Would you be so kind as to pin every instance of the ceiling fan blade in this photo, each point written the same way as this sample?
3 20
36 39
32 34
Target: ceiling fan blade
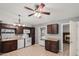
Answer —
42 5
31 14
47 13
28 8
37 6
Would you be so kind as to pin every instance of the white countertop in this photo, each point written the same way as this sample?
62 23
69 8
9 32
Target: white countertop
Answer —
8 39
13 39
52 39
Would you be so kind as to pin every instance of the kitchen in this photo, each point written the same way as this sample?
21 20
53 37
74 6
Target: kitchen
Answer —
39 31
15 37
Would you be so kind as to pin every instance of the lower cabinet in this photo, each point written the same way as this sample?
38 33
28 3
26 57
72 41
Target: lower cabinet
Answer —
52 46
7 46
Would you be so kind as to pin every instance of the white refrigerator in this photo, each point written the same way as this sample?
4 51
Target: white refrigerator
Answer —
20 43
27 42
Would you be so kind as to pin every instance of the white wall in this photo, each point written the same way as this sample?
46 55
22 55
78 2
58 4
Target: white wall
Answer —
78 39
66 28
36 34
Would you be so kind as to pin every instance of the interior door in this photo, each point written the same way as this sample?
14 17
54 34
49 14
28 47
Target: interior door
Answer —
73 38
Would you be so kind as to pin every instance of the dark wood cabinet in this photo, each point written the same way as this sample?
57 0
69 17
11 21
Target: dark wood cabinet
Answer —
0 37
7 46
52 29
52 46
32 34
0 45
19 30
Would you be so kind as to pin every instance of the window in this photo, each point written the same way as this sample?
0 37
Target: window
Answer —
43 33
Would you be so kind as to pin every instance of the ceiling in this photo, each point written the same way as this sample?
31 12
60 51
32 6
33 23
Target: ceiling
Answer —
9 12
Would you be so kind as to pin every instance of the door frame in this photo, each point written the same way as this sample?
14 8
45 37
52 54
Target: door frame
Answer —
62 35
73 38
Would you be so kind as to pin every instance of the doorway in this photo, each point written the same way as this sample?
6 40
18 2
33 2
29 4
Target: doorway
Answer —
66 39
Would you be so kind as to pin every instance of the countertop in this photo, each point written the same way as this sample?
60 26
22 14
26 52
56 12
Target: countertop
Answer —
12 39
8 39
52 39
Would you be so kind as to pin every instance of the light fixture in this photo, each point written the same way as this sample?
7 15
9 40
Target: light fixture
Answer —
24 25
19 22
14 24
38 15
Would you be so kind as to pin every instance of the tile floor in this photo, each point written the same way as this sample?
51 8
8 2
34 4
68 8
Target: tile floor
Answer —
34 50
66 49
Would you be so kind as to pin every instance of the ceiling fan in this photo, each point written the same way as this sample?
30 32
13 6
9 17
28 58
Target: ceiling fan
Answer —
39 9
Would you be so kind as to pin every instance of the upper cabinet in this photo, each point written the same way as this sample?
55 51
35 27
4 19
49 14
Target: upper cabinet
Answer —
52 29
19 30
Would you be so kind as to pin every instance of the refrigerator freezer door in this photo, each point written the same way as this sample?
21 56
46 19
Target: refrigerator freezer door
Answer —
20 43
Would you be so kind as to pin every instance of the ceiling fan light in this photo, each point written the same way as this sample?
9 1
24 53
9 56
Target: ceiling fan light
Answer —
40 9
38 15
14 24
35 14
19 24
23 25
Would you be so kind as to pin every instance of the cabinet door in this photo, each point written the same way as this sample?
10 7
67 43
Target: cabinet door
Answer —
19 30
47 45
13 45
0 40
32 34
49 29
55 46
55 28
8 46
52 46
52 29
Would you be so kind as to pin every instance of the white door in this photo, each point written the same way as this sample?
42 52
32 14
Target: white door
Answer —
73 38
